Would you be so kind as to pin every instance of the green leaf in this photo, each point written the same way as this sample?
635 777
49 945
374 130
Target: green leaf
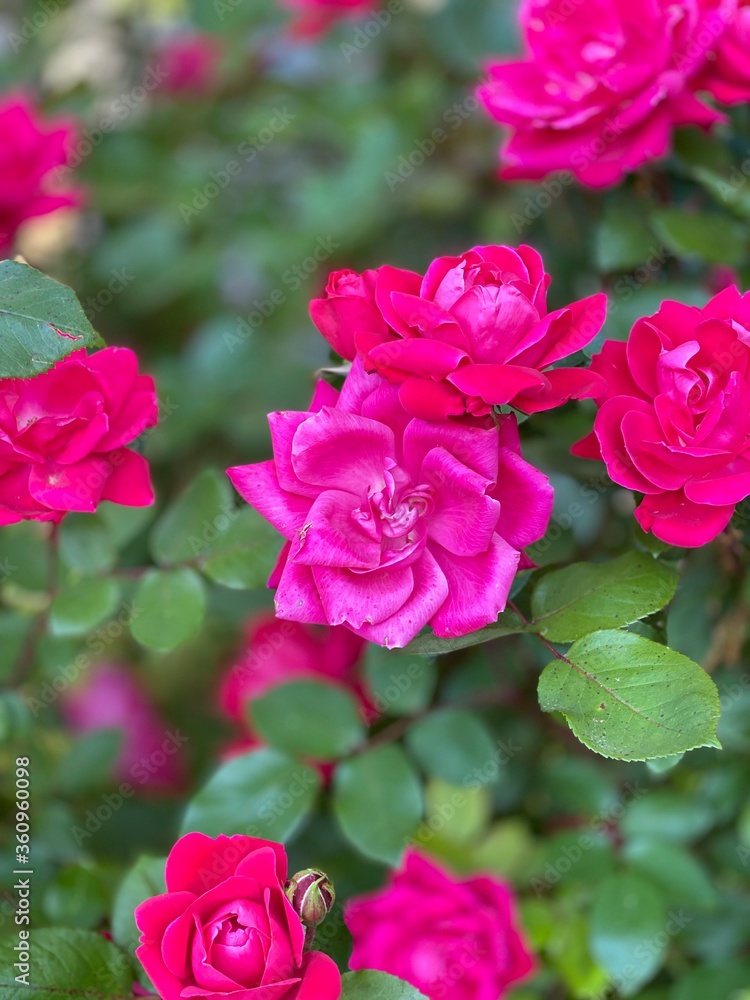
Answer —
628 931
243 556
194 520
86 544
80 607
666 815
308 719
429 644
263 793
627 697
170 606
569 603
33 308
682 879
454 744
717 982
377 800
623 240
143 880
91 761
66 964
77 897
369 985
399 682
710 236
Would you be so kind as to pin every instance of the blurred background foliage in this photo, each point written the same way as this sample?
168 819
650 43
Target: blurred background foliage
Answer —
211 220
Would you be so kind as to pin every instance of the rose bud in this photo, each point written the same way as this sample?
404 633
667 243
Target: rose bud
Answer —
312 896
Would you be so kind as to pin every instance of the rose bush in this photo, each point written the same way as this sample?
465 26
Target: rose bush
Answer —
225 928
603 86
461 938
30 151
471 334
392 522
674 423
65 435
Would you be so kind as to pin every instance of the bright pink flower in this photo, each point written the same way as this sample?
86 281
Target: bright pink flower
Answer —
392 522
63 437
604 83
448 938
675 424
315 17
224 927
727 75
277 652
30 150
111 698
189 63
471 334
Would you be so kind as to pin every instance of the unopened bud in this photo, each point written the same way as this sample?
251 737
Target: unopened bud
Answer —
312 895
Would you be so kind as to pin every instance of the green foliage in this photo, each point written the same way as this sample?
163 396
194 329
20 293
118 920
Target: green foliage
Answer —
451 744
33 308
170 606
143 880
376 986
627 697
80 607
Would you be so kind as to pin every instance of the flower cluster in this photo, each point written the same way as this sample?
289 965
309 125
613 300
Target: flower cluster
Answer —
604 84
404 498
65 435
30 151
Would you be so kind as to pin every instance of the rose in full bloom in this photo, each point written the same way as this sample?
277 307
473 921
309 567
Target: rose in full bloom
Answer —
447 937
315 17
675 424
30 151
471 334
189 63
393 522
63 437
278 652
110 697
225 928
604 83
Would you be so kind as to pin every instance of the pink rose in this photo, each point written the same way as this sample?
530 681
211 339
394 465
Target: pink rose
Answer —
111 698
604 83
392 522
448 938
315 17
727 75
675 424
472 334
64 435
224 927
189 63
277 652
30 150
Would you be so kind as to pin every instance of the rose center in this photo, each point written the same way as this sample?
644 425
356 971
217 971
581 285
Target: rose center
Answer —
398 511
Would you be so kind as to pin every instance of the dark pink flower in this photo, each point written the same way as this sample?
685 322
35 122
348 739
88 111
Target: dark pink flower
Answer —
111 698
315 17
189 63
604 83
473 333
392 522
63 437
276 652
675 424
224 927
449 938
30 151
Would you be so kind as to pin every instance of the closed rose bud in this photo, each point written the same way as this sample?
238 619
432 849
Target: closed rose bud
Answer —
312 896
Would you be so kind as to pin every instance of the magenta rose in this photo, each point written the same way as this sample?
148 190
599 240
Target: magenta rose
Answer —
110 697
392 522
603 84
64 435
473 333
30 151
727 75
225 929
675 424
189 63
450 938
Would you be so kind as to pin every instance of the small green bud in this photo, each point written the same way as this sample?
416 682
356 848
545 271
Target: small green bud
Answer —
312 895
